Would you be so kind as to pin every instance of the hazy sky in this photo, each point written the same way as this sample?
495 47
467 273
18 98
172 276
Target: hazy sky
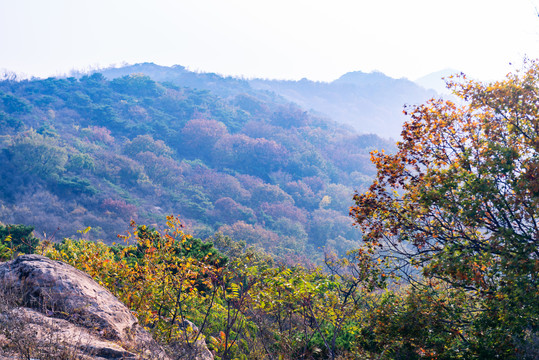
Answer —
291 39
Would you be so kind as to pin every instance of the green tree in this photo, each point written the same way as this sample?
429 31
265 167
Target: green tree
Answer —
459 202
137 84
38 155
18 239
13 104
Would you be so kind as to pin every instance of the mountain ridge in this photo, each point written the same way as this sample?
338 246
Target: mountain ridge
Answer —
368 102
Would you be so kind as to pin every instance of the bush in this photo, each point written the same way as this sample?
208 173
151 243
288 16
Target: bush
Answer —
17 239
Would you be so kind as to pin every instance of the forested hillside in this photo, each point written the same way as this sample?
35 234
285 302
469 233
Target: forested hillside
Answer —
366 102
97 152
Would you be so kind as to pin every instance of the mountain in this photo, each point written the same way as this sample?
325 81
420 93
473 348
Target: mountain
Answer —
99 152
370 103
436 82
179 75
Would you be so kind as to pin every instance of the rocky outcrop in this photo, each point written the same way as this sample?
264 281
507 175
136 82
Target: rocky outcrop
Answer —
43 336
51 307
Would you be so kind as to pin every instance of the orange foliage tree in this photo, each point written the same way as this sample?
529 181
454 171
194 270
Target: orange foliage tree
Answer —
458 204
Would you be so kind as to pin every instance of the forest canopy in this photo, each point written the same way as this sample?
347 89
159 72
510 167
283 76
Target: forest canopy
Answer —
98 152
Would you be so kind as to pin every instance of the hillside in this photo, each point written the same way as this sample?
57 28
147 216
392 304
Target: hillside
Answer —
370 103
436 81
446 269
97 152
180 76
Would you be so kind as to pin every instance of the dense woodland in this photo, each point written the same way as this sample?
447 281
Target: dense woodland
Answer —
93 152
443 264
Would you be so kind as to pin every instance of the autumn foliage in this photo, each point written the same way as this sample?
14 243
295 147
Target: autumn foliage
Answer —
455 210
243 304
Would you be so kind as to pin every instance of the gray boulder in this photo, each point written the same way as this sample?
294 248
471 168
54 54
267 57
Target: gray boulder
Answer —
58 312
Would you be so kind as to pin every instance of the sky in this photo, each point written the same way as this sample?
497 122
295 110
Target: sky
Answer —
277 39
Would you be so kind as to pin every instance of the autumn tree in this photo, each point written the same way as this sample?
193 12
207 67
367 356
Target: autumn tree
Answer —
146 143
200 135
457 203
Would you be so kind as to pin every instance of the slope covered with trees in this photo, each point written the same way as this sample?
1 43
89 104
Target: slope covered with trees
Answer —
97 152
370 103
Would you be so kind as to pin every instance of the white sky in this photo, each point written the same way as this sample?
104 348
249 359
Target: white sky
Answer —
285 39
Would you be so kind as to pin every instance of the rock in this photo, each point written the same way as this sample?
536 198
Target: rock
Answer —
54 303
188 325
193 348
58 337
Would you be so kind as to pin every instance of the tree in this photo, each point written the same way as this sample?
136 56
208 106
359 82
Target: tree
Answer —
18 238
146 143
251 234
200 135
138 85
13 104
228 211
163 277
38 155
459 201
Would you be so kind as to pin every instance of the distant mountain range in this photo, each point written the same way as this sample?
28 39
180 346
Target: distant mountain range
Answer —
437 80
367 102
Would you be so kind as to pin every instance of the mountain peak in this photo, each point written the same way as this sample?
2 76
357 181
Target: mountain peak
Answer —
359 77
435 80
